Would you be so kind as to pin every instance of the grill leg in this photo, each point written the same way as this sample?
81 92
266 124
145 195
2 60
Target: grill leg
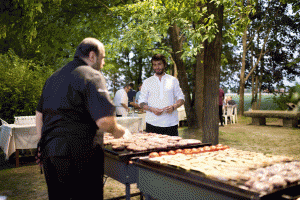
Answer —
104 179
127 191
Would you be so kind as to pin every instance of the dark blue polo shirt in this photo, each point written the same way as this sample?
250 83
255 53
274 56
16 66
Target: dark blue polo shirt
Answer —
73 98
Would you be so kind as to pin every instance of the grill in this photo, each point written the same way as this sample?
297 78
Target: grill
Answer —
166 182
117 164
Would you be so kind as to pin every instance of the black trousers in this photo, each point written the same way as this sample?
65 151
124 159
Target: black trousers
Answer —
221 114
75 178
172 130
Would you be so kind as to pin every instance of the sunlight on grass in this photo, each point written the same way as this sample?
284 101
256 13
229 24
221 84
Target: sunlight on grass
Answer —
265 139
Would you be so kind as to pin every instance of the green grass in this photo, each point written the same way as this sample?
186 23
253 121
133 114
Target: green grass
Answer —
22 183
26 182
269 139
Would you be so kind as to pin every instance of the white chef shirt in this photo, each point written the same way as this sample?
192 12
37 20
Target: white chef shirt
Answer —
121 97
160 94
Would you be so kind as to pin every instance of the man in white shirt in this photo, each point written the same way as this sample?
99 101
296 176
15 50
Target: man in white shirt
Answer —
121 101
160 96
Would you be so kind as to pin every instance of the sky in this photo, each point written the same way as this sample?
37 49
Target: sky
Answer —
287 83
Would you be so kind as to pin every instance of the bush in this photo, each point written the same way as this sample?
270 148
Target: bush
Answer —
292 97
21 83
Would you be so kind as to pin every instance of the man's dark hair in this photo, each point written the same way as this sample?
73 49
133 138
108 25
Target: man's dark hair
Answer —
128 85
131 85
161 57
85 47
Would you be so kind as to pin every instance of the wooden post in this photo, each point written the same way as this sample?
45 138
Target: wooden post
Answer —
17 157
290 122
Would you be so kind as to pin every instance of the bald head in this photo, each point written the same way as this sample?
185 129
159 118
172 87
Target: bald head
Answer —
87 45
92 52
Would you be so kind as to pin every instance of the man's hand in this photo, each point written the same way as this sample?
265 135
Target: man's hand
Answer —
157 111
38 157
169 109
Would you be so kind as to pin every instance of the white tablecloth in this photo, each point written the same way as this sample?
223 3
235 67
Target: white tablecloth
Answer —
143 116
14 137
134 124
181 113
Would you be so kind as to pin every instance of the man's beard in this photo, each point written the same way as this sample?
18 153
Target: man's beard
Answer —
159 72
96 66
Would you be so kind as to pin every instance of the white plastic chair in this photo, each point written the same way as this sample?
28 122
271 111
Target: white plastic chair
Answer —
235 113
228 114
3 122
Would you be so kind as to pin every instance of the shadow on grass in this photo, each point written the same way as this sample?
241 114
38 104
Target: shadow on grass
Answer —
11 162
190 133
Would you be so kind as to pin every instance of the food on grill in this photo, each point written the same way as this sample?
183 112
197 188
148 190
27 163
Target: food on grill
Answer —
254 171
206 149
153 155
162 153
179 151
148 141
171 152
275 176
195 150
189 151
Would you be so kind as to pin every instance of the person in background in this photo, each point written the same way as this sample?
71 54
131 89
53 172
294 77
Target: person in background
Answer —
74 105
221 100
229 101
135 104
121 101
160 97
138 93
131 95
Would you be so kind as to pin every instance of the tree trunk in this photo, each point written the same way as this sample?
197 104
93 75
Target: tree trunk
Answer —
212 63
199 87
259 102
256 92
242 75
176 43
253 91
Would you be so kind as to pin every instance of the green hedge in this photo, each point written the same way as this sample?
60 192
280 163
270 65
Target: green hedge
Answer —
293 96
21 83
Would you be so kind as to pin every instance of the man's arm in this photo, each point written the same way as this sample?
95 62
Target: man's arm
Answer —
125 106
39 125
39 122
178 95
144 106
109 124
177 104
156 111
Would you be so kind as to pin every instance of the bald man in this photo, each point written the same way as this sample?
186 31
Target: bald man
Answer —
74 105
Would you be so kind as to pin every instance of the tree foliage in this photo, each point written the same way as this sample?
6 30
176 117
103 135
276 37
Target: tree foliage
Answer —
292 96
20 86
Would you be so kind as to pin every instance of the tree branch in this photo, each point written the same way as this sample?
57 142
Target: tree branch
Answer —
261 25
260 56
262 49
105 5
159 48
